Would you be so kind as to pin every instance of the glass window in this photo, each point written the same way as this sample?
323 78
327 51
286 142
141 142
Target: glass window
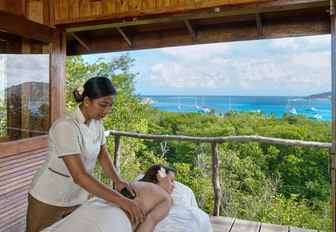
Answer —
24 96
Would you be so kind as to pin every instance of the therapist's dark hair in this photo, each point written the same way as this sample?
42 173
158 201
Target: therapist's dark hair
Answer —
94 88
150 175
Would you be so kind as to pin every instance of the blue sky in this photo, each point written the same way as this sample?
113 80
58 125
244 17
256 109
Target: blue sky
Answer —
276 67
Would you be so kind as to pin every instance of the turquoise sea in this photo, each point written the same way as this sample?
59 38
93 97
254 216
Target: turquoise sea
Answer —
317 109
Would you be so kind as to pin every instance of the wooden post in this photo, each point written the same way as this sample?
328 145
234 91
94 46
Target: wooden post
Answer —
117 144
215 179
333 98
57 75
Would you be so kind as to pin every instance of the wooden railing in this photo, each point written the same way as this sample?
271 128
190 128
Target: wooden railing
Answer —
214 141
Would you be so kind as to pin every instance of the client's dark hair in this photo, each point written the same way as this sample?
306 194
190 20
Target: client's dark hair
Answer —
94 88
150 175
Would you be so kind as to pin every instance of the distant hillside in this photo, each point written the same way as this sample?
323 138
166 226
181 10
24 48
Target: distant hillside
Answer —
325 95
38 91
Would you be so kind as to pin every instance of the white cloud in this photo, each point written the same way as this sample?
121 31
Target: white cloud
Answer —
312 59
318 40
197 52
297 66
288 43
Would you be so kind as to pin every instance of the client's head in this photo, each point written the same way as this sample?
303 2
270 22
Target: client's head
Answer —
162 175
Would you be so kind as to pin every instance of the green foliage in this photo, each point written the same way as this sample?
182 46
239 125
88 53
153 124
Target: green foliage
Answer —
297 212
278 184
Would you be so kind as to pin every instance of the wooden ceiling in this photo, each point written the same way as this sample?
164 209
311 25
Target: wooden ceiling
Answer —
235 22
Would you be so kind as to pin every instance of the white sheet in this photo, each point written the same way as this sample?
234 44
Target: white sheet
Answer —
184 219
98 215
184 215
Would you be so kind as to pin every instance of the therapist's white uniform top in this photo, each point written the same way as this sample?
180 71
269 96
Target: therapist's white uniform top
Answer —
68 135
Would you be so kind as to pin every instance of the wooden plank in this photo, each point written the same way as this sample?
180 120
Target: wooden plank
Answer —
266 227
23 145
23 154
73 9
221 224
109 6
121 6
15 224
150 4
9 182
295 229
24 160
6 164
96 8
13 200
19 182
3 5
36 163
84 7
35 11
20 174
134 5
162 4
246 226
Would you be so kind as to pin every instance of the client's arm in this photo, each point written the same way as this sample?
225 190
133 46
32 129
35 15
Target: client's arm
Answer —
155 202
155 215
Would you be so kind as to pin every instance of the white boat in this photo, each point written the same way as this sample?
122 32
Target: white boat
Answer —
179 104
205 110
310 107
289 109
196 106
292 111
316 116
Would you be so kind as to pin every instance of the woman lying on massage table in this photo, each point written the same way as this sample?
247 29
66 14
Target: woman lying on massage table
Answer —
98 215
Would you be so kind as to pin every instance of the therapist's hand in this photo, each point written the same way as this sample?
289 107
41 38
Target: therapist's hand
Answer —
134 211
122 184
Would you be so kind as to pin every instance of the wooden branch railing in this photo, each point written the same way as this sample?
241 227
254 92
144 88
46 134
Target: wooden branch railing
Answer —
214 141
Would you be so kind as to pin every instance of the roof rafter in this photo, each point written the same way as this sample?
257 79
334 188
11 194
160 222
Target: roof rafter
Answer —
128 38
259 26
84 41
192 31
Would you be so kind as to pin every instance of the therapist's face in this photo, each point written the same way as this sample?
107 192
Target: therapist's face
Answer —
100 107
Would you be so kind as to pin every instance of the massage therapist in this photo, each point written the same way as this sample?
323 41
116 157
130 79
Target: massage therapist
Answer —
76 140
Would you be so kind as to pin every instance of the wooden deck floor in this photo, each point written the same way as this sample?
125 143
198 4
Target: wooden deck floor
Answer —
226 224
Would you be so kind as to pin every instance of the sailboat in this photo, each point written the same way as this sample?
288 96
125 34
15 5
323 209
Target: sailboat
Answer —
196 106
179 104
289 109
204 108
310 107
316 116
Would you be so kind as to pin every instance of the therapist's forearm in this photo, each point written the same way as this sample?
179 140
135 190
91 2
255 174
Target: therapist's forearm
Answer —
109 169
107 165
98 189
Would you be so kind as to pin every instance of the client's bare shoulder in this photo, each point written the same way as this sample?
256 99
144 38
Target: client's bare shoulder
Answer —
149 195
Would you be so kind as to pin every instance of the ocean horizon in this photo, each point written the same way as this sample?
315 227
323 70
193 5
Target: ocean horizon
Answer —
317 109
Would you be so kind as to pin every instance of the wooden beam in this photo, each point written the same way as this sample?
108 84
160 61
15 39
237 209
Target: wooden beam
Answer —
84 41
259 26
17 25
127 38
291 26
199 12
192 32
